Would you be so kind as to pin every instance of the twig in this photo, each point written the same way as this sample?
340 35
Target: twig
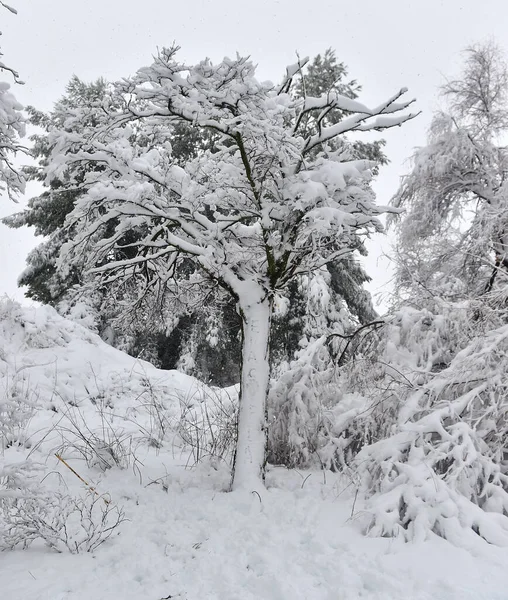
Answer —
349 337
303 482
257 494
80 478
354 503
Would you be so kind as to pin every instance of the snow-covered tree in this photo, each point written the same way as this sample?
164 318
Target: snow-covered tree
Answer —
268 204
438 463
453 240
206 341
12 128
46 213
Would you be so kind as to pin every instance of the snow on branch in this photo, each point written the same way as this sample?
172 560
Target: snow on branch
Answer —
291 71
246 210
3 66
441 471
362 119
12 128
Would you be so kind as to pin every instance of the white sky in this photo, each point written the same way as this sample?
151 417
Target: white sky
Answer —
386 45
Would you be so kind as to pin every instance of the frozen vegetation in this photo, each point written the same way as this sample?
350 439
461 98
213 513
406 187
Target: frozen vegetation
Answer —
205 403
127 429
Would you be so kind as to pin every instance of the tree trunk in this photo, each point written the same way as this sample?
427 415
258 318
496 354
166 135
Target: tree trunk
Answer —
249 463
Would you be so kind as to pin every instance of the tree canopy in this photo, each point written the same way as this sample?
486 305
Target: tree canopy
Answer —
453 240
204 340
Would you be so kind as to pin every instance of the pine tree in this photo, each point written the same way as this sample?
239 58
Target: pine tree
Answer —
46 213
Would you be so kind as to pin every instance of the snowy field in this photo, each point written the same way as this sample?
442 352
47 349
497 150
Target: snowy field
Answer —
122 425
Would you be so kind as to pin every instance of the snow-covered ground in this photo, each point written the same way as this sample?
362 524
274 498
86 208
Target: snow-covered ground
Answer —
183 536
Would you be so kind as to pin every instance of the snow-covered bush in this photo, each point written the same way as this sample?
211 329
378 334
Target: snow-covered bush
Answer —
297 419
208 424
314 406
416 413
29 511
443 469
101 447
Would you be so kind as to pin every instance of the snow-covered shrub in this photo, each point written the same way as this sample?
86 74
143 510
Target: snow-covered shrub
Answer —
208 424
17 405
297 419
313 407
444 468
347 391
102 447
29 511
390 365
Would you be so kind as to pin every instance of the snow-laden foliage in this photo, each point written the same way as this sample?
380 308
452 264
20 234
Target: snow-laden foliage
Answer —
31 511
187 340
297 420
453 240
316 413
438 465
269 203
12 128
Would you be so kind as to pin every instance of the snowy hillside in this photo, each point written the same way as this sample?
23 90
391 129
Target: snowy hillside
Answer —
58 359
113 443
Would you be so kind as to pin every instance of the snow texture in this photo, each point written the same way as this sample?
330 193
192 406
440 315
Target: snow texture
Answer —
185 538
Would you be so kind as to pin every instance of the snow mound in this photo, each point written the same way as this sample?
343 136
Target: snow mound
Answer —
58 358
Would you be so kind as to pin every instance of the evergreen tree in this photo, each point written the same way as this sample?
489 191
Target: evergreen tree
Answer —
47 213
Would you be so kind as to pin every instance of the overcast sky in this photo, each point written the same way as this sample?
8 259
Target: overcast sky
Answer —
386 45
